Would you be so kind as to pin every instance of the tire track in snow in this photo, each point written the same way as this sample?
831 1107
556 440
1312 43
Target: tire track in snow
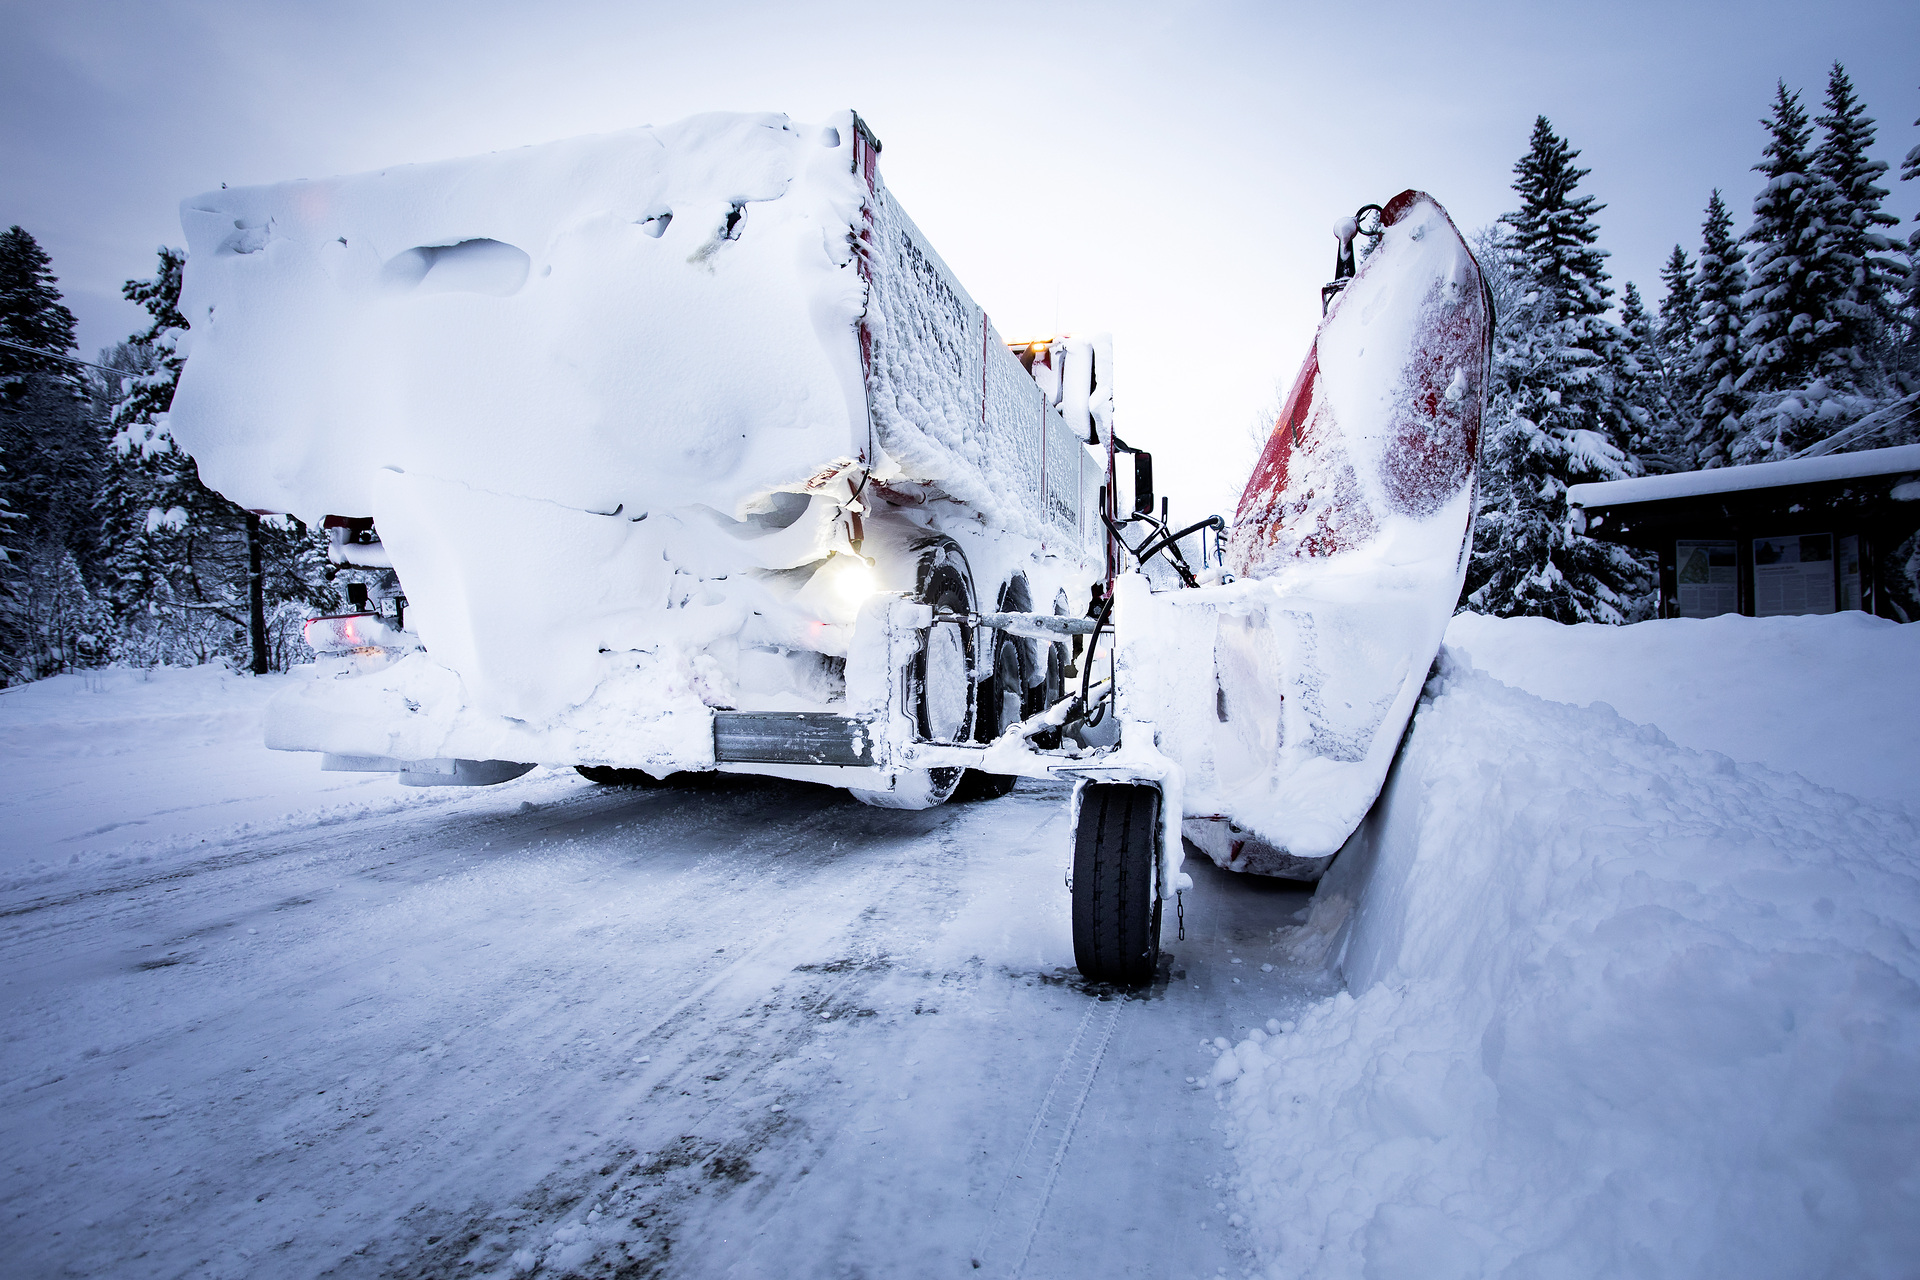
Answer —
628 1213
763 852
1017 1221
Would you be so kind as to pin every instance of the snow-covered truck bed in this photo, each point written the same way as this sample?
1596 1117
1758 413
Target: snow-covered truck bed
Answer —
659 450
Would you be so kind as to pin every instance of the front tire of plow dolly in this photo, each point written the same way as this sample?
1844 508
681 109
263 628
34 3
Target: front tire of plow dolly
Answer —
1116 897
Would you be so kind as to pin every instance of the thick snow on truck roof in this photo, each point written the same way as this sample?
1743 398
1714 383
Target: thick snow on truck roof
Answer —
661 316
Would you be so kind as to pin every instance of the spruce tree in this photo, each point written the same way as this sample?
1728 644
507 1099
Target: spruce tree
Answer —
51 458
1669 346
1556 412
1680 309
1716 363
1784 305
13 624
1909 172
1860 278
1639 384
31 315
180 567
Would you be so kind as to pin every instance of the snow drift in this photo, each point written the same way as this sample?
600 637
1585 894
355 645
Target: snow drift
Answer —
1615 1007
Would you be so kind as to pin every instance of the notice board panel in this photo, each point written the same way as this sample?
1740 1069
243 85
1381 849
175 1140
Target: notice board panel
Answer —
1793 574
1708 576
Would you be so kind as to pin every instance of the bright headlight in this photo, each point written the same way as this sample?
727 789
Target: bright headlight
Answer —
851 580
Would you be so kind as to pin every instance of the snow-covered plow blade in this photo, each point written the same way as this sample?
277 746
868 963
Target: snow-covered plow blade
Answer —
1264 713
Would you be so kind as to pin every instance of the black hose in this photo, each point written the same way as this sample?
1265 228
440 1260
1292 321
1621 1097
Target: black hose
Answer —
1093 641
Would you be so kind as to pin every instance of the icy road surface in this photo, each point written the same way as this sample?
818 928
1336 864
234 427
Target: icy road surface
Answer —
748 1030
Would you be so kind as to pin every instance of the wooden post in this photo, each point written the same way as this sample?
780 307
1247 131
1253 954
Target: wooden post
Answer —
256 596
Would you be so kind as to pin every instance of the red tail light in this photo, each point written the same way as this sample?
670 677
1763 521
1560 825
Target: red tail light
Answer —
344 632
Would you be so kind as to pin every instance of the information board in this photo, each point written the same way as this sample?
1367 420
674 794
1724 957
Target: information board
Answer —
1849 562
1709 577
1793 574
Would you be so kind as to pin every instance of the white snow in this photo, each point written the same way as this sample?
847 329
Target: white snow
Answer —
1616 1006
1829 698
1759 475
120 768
757 1029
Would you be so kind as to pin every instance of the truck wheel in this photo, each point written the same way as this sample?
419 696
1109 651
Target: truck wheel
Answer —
608 776
1000 707
943 669
941 677
1116 900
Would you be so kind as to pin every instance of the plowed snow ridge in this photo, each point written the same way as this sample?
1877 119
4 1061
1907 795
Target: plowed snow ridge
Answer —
1615 1007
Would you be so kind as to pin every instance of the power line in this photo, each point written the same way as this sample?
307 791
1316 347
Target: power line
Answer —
55 355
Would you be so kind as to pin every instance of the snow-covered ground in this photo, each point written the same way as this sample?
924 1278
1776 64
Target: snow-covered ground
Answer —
1618 1003
1616 1006
1832 699
755 1029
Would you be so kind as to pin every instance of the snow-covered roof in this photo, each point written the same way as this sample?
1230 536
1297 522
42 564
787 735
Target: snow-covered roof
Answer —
1759 475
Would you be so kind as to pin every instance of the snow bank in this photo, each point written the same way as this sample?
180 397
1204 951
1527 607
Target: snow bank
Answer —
1618 1008
1829 698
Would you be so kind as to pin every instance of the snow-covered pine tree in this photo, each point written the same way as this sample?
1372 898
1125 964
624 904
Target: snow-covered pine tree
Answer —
181 559
31 315
1677 326
13 625
1639 384
1556 416
1785 300
1680 308
1718 357
1821 298
1909 172
1854 251
52 455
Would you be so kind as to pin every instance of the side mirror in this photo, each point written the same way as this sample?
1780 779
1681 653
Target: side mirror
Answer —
1142 483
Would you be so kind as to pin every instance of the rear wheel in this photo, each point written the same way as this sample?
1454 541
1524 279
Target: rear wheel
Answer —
1001 706
608 776
940 678
1116 897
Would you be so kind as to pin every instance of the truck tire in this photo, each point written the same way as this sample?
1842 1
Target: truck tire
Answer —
1001 704
1116 897
942 670
940 675
608 776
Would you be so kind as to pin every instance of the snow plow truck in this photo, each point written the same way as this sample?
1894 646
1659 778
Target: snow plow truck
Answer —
680 449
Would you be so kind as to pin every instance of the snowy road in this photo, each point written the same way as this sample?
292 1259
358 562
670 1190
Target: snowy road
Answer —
752 1030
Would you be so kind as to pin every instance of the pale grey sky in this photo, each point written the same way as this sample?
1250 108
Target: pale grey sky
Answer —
1168 172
